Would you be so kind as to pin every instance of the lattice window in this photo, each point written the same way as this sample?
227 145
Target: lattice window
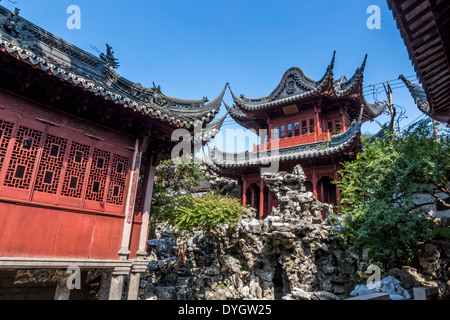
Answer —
118 180
5 136
76 170
51 164
23 158
98 175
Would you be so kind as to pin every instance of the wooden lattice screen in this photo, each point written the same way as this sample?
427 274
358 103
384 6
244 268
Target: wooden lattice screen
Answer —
49 166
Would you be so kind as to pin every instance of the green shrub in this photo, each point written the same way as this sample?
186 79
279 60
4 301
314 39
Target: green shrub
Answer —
378 190
205 212
173 179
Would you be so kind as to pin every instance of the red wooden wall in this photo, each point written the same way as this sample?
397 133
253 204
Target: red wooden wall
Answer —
305 127
63 184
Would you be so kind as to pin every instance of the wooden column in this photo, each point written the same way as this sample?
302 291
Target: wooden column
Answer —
322 193
261 198
343 113
140 265
337 167
244 191
253 196
150 178
314 182
269 132
240 187
129 207
317 129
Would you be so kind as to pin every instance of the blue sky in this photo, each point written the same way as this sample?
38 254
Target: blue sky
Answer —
192 48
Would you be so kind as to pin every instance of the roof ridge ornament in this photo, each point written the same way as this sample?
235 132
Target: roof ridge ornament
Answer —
418 94
157 95
109 58
10 23
333 60
363 66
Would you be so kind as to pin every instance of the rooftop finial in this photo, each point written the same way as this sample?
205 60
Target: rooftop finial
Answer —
333 59
109 57
10 23
363 66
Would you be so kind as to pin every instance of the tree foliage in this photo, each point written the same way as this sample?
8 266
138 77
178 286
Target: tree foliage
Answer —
379 192
173 179
176 203
205 212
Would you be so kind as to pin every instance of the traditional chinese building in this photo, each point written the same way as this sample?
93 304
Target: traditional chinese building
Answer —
78 150
425 27
313 123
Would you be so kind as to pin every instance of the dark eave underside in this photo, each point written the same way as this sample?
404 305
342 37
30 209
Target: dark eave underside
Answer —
425 29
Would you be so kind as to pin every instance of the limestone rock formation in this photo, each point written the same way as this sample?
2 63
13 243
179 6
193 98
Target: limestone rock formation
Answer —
222 185
389 285
292 254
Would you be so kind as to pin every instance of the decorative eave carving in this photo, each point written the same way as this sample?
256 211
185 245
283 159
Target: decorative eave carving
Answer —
419 96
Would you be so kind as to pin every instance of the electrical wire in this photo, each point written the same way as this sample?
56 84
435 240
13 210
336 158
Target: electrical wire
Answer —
413 122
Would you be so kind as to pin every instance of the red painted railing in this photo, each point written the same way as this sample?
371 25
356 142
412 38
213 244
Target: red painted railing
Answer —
292 141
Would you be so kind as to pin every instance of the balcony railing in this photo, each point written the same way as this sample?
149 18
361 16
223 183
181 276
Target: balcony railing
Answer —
292 141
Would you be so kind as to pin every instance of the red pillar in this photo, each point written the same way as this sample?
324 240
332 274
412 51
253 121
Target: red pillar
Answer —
318 129
336 178
244 191
253 196
314 182
269 203
261 198
322 193
343 113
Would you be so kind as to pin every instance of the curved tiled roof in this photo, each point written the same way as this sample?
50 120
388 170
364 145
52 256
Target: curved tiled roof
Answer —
41 49
219 160
210 131
242 119
296 86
